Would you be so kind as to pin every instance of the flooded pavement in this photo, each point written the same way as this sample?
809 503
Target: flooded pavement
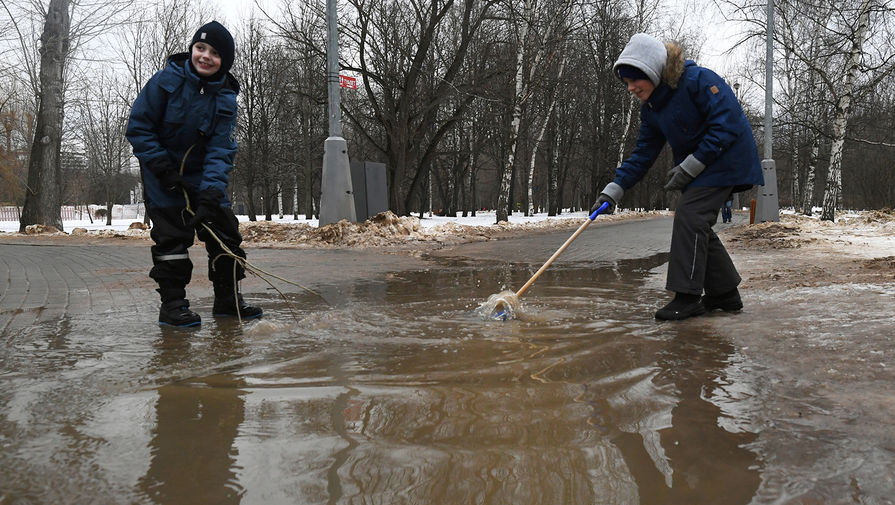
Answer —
389 389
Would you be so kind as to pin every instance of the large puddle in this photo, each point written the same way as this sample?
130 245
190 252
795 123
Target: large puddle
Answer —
395 392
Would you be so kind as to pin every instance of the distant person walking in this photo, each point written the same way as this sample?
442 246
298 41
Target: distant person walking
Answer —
697 114
181 127
727 211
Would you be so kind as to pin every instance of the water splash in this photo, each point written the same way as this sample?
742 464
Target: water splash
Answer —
501 306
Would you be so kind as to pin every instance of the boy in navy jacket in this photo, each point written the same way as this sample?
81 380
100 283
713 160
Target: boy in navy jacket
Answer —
181 129
693 110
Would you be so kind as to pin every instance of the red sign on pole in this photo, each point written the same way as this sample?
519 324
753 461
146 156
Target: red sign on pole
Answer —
347 82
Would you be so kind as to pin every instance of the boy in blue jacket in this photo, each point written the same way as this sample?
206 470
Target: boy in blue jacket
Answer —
181 128
697 114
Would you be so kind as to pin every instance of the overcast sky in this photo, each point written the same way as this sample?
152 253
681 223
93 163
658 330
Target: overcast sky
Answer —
699 15
233 10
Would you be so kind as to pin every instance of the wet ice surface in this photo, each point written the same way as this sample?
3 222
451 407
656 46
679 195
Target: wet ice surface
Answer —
399 393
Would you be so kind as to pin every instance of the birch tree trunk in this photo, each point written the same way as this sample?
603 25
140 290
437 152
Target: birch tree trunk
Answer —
551 177
43 195
473 158
843 108
506 177
309 202
279 201
808 191
796 186
523 84
629 116
534 153
295 190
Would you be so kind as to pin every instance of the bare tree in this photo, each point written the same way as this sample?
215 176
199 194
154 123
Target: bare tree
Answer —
843 106
156 32
540 32
846 52
45 69
301 28
262 159
43 199
104 114
406 87
16 125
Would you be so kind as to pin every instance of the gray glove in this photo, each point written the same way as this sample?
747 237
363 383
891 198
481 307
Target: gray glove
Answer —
603 198
682 175
612 193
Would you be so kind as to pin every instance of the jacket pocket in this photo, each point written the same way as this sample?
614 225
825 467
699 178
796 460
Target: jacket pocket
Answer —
173 120
225 114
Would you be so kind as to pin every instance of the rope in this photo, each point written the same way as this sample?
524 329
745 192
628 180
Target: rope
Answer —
239 260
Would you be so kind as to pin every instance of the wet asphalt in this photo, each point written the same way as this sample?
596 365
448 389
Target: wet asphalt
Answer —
387 391
44 279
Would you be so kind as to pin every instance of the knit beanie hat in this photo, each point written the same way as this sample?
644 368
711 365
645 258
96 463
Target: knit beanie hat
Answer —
215 35
645 53
623 71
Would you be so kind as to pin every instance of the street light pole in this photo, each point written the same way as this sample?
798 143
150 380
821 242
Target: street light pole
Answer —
332 69
736 92
767 208
336 192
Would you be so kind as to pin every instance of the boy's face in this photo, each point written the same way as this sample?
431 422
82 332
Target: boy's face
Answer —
641 88
206 59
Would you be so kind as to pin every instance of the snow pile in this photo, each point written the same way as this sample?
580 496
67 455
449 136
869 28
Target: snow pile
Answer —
41 229
774 235
868 233
136 229
855 249
383 229
874 231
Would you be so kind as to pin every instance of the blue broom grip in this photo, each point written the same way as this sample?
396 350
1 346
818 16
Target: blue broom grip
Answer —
598 211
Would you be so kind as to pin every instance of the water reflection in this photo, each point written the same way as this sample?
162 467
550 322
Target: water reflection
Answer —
394 393
686 456
397 394
577 407
192 453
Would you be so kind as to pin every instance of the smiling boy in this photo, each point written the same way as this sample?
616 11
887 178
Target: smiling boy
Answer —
181 129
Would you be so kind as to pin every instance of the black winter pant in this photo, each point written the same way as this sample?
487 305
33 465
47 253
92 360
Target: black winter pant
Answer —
699 262
172 268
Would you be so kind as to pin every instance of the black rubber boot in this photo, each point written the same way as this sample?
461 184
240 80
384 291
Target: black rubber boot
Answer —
175 310
178 313
729 301
682 307
228 305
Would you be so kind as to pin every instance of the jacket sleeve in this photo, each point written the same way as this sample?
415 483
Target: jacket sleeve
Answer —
145 120
722 112
221 148
650 141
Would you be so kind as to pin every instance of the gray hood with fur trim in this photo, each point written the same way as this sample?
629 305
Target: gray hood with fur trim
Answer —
646 53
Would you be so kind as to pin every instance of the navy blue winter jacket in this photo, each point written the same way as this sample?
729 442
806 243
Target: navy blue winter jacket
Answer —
701 117
176 110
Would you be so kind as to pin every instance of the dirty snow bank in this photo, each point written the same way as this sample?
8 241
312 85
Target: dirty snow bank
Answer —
857 248
383 230
388 230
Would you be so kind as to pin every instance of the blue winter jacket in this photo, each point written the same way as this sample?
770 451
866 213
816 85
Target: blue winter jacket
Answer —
701 117
176 110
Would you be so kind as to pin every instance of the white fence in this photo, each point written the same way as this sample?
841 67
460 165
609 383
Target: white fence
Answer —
133 211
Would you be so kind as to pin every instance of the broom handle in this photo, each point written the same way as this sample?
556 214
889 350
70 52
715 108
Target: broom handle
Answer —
561 249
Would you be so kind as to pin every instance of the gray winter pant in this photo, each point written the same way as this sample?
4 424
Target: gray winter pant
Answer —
699 262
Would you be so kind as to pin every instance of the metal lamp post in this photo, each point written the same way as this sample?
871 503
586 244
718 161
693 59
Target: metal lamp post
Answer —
767 208
336 193
736 92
